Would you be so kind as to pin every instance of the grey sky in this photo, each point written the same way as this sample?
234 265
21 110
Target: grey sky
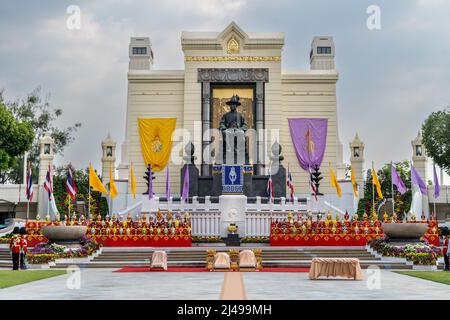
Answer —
390 79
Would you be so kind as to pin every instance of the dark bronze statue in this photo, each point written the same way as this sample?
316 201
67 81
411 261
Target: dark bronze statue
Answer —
233 127
233 119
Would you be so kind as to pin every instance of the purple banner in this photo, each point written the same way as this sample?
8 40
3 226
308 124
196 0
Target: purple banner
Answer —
309 137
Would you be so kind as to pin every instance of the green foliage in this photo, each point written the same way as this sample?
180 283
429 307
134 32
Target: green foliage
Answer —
81 178
40 117
436 138
402 202
16 137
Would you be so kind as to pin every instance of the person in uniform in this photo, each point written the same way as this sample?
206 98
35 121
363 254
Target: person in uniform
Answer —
23 248
445 252
14 247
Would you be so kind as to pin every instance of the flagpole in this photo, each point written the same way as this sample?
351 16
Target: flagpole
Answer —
373 190
392 191
89 194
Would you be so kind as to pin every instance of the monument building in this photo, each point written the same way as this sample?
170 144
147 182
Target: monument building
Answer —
218 66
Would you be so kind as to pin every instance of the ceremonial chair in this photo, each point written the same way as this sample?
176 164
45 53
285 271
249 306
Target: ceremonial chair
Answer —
159 260
250 260
218 261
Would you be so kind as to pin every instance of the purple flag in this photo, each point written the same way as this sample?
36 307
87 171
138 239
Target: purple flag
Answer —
150 182
309 137
437 187
417 180
397 180
167 184
185 193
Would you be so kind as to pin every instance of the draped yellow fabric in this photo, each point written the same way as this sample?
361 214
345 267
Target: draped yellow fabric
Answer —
94 181
376 182
334 183
156 140
133 181
354 184
112 185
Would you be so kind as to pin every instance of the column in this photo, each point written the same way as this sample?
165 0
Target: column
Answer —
206 101
259 126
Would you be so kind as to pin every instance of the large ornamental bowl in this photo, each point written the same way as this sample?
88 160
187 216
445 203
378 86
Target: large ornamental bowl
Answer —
404 230
63 233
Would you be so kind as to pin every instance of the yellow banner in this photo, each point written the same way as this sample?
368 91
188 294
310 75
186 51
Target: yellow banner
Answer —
156 140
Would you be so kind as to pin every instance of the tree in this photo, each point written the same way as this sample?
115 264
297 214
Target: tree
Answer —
16 137
436 138
98 203
402 202
38 112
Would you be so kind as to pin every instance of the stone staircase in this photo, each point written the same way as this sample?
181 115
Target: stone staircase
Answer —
299 257
5 258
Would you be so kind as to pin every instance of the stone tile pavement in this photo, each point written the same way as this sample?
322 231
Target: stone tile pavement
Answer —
105 284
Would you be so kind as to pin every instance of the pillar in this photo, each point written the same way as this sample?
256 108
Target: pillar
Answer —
357 163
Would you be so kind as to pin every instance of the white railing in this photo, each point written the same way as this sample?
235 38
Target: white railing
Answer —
205 223
257 224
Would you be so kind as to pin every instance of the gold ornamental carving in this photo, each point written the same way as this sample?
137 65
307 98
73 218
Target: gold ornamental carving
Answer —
232 58
233 46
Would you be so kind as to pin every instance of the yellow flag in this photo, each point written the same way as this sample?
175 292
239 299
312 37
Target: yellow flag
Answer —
133 181
112 185
156 140
334 183
376 182
355 185
94 181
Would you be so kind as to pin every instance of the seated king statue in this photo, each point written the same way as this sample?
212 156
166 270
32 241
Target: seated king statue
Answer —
233 127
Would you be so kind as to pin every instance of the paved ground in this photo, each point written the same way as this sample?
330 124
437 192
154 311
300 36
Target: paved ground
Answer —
105 284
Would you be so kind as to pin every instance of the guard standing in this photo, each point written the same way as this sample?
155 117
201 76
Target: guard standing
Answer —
14 247
23 248
445 252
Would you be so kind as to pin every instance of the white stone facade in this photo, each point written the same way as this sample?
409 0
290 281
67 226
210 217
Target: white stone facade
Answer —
178 94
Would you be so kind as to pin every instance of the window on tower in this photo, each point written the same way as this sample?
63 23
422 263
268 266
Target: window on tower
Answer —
139 50
323 50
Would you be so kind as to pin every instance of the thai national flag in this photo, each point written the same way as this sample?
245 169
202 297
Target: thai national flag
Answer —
71 187
48 184
290 184
30 191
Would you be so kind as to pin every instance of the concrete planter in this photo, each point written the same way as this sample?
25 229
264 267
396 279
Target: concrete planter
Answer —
73 260
420 267
63 233
405 231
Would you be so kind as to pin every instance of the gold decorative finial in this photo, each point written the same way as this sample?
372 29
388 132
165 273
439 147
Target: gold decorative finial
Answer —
232 46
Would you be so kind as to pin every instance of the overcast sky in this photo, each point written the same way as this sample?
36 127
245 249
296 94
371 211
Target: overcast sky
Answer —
390 79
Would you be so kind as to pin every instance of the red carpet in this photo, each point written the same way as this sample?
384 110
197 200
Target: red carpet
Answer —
193 269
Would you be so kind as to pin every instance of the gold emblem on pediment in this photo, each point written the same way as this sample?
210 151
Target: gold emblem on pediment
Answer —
232 46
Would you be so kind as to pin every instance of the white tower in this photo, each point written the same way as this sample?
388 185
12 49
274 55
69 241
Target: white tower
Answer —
322 53
141 54
419 156
46 157
419 203
357 162
108 158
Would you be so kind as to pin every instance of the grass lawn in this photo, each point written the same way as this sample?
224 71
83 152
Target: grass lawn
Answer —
9 278
436 276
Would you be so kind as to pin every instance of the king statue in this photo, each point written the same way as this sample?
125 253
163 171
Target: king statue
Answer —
233 127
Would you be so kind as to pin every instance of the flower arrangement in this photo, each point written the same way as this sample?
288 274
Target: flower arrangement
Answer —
418 253
206 239
259 239
43 252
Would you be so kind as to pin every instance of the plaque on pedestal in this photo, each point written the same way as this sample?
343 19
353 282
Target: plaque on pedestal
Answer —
232 179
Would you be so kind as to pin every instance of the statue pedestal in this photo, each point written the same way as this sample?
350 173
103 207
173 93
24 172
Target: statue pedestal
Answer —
316 206
232 210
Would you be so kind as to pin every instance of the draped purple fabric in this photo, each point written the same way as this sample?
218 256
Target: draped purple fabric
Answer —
309 137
